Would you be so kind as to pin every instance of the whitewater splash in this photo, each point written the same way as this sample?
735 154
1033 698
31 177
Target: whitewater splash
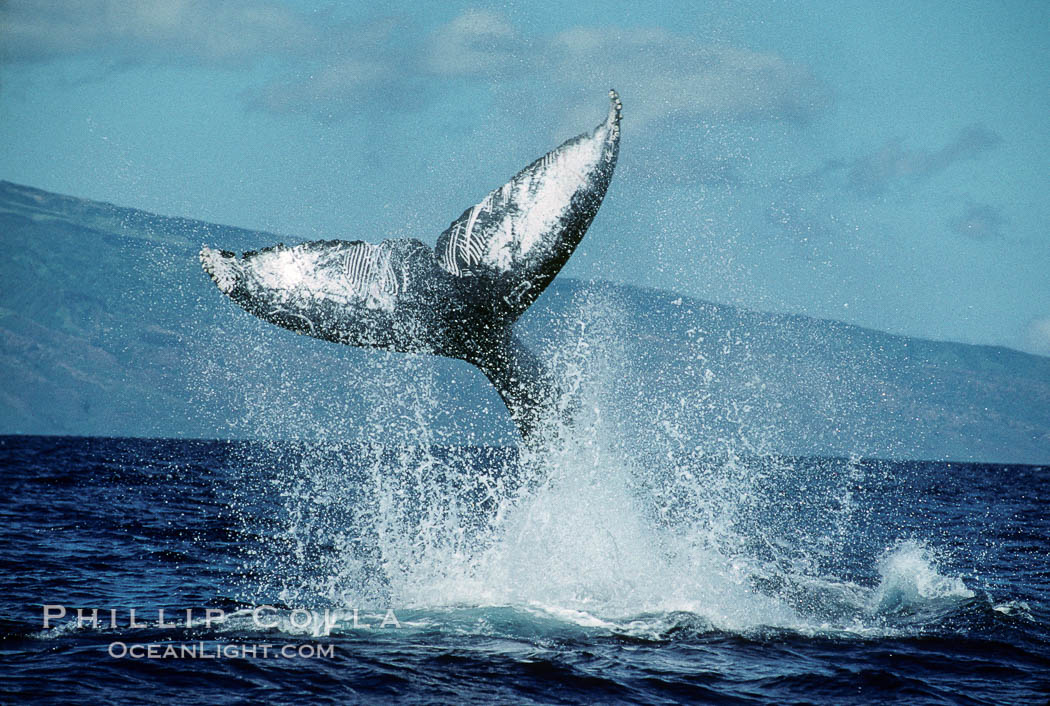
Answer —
605 526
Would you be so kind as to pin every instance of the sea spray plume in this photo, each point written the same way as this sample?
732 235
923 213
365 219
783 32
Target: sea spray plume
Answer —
459 299
582 532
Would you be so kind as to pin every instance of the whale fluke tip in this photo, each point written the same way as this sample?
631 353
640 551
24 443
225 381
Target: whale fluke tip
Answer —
615 107
221 266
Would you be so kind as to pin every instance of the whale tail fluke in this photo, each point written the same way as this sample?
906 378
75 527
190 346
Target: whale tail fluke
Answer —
459 299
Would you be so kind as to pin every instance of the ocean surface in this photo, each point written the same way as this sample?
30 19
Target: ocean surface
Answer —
306 572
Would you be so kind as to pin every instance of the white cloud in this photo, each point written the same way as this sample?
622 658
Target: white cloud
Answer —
478 42
333 87
669 74
663 73
205 31
1037 336
327 67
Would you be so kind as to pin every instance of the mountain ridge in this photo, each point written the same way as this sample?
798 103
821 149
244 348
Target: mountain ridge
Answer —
200 226
121 335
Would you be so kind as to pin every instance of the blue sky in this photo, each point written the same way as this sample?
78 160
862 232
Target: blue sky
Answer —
884 164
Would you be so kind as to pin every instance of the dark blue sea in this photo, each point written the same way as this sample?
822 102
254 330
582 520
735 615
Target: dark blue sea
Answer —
298 572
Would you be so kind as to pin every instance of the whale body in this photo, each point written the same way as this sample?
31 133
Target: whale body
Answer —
459 299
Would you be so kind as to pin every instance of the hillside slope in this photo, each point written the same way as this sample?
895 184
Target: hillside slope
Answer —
108 327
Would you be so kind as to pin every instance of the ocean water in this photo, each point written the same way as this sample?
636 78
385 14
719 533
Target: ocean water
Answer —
393 572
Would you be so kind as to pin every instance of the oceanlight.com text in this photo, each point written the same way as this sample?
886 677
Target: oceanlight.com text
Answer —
212 650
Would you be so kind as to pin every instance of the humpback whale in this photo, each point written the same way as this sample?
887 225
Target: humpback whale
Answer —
459 299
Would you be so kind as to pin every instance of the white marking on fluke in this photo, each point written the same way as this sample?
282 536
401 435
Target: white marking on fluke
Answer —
223 269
